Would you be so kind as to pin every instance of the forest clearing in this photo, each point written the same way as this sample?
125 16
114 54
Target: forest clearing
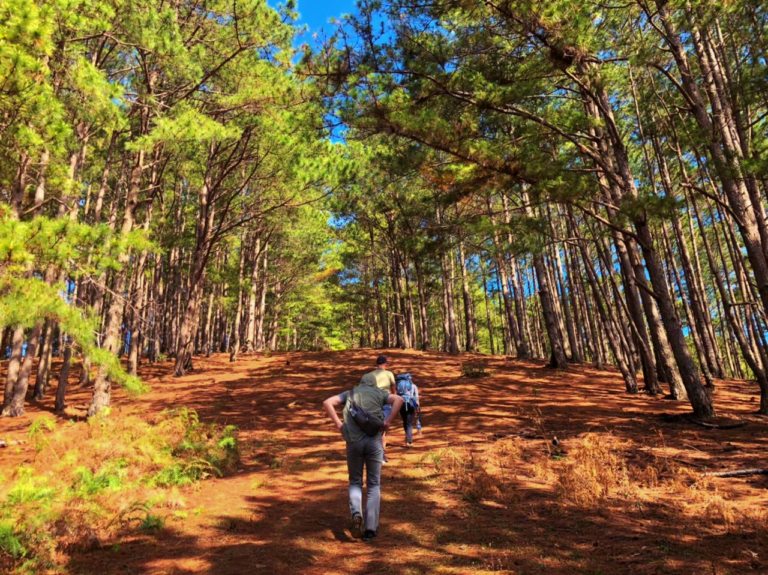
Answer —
214 214
623 492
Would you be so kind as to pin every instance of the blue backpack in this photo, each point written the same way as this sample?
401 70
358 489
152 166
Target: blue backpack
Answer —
406 391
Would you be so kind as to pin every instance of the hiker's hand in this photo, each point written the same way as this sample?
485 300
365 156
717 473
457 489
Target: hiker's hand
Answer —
339 426
385 427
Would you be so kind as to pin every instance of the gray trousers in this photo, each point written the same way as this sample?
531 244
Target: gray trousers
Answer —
367 452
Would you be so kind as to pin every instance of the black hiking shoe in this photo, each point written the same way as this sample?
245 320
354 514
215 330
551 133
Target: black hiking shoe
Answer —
369 536
357 525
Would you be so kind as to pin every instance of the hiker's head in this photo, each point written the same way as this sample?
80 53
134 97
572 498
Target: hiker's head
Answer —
381 362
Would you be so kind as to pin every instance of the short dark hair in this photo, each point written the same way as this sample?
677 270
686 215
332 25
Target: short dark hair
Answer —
382 359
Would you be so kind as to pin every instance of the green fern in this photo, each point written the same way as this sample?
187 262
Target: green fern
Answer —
37 431
10 543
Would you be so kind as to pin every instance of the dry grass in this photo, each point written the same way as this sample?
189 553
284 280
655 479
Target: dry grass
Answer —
480 475
594 470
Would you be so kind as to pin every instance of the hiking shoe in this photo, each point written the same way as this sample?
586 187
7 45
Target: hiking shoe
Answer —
409 445
369 536
357 525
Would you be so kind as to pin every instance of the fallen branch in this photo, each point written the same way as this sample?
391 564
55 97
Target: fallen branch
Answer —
499 436
737 473
720 426
4 443
690 463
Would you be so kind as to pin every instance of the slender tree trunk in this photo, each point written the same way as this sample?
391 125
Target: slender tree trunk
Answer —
259 346
558 359
487 306
102 389
137 307
44 366
423 307
511 333
693 326
612 334
61 390
452 333
14 366
394 280
22 382
276 309
567 308
469 313
409 304
250 332
515 286
235 348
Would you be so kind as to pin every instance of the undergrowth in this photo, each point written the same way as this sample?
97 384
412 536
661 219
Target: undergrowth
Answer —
91 481
475 370
593 472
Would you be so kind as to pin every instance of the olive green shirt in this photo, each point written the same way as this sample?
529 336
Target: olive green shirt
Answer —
371 399
381 378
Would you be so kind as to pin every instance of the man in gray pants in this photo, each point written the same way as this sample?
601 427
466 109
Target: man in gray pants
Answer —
364 451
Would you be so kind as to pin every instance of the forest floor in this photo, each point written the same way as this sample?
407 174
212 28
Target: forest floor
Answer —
621 493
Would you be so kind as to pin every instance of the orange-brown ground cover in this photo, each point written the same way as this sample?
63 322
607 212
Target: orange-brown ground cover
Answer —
621 493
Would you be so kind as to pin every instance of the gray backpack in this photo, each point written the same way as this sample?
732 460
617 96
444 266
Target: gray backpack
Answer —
371 424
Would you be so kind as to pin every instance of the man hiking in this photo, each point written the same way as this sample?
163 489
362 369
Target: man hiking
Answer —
409 393
385 380
363 423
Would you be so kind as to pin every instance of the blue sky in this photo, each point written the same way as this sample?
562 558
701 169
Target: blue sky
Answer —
316 13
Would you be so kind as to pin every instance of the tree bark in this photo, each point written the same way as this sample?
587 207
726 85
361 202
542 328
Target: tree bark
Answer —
469 312
250 332
102 387
423 307
259 345
235 347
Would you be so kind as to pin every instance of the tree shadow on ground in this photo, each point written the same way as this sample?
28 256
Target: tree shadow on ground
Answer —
284 510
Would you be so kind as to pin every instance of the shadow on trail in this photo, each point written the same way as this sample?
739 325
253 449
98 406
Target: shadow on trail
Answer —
305 532
285 509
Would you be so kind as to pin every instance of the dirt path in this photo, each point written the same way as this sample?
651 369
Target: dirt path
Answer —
284 511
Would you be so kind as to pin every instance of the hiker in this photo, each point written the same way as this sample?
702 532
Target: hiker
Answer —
385 380
363 423
410 409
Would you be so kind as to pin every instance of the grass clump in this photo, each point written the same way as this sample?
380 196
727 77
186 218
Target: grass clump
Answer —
272 450
474 478
475 370
79 489
594 470
152 523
